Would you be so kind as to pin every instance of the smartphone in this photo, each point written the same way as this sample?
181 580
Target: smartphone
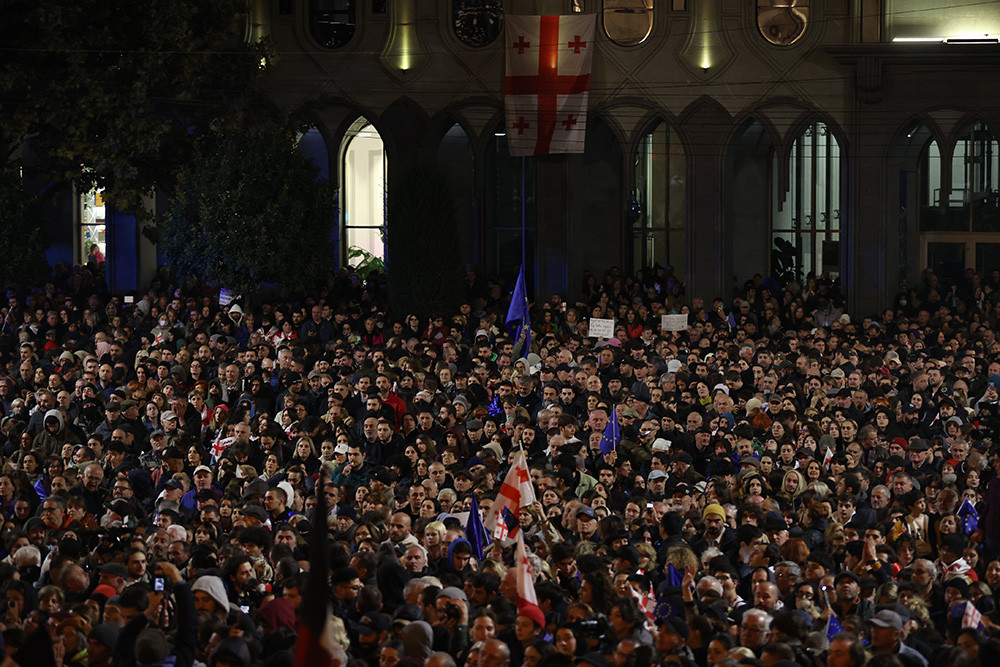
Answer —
158 584
129 298
245 608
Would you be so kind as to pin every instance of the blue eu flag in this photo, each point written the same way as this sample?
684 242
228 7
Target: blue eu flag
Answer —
475 530
970 517
518 313
612 434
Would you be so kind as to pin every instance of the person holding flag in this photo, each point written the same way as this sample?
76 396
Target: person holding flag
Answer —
518 318
515 492
612 435
477 535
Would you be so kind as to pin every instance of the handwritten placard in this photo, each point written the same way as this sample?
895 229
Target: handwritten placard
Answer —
602 328
674 322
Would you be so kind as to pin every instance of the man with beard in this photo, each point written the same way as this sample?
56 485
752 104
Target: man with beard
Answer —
717 534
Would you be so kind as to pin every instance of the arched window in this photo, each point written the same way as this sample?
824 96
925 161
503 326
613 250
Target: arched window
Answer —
658 214
510 206
332 22
805 220
362 202
959 214
628 22
477 22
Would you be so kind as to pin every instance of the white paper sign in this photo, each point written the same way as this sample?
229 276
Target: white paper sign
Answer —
225 297
674 322
602 328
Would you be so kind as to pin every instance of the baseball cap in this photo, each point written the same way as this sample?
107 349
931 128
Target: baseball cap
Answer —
202 469
888 619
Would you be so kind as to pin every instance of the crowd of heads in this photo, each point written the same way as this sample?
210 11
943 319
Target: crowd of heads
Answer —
776 481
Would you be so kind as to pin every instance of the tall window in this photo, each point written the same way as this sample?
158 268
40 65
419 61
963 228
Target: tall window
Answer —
477 22
93 226
805 221
510 195
332 22
960 219
363 198
970 204
658 214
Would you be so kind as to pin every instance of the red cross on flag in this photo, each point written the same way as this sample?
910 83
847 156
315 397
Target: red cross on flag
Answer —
515 492
548 77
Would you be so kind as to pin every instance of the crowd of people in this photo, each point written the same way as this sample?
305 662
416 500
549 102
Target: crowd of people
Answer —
781 482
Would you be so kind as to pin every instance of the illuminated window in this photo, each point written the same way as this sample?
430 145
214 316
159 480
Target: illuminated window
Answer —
332 22
805 221
363 199
93 227
658 214
960 220
970 204
477 22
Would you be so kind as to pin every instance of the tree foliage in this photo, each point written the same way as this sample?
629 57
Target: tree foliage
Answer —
424 264
22 237
113 93
250 210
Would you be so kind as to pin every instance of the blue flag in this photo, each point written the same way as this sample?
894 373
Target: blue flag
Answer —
612 434
675 575
518 312
730 320
970 517
475 531
494 407
833 628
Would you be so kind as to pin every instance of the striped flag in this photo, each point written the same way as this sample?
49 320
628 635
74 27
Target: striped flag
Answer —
515 492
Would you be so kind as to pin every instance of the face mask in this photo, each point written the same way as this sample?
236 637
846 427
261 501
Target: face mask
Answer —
163 323
902 302
949 479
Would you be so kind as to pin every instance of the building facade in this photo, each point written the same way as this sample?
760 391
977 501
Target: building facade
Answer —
851 138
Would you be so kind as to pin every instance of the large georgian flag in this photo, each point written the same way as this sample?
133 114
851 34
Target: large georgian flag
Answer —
548 76
515 492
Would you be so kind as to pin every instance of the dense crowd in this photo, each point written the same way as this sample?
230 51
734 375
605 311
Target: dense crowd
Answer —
781 482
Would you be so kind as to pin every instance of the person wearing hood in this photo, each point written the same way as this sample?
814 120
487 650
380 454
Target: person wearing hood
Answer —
54 434
457 560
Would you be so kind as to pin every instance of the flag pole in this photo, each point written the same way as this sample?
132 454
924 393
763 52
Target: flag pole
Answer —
524 210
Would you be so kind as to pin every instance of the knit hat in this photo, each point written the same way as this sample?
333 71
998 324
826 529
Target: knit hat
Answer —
713 508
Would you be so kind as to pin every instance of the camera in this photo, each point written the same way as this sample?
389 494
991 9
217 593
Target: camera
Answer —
593 628
452 611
